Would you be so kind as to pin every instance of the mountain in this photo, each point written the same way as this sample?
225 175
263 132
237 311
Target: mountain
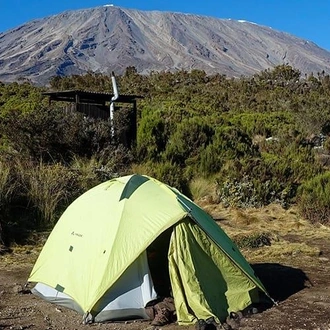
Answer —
109 38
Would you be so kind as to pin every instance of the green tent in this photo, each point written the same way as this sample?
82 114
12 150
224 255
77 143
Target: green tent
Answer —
95 260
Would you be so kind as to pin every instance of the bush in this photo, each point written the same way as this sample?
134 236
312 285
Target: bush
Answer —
232 142
42 133
314 199
112 162
252 183
20 96
266 124
55 135
191 126
210 162
94 137
151 137
238 193
190 138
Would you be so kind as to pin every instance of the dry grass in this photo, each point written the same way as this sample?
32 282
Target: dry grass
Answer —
289 235
20 256
202 190
282 251
46 187
7 185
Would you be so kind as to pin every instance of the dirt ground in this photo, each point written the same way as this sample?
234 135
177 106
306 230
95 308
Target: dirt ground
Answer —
298 278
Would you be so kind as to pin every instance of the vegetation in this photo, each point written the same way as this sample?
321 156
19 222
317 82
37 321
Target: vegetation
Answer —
255 140
314 199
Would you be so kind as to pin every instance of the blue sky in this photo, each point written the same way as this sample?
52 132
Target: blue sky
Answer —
306 19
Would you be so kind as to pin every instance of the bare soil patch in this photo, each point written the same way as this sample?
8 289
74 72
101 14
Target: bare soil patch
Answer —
295 268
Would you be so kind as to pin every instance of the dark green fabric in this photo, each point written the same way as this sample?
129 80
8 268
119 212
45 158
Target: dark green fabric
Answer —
134 183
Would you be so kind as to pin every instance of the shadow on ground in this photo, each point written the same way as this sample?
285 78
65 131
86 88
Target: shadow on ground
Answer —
281 281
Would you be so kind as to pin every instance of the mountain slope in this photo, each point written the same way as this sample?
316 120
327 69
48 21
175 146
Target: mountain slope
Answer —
109 38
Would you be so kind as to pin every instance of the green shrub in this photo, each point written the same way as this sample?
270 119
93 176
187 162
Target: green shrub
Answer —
314 199
86 170
231 142
151 137
189 139
238 193
55 135
266 124
45 134
254 182
210 162
21 96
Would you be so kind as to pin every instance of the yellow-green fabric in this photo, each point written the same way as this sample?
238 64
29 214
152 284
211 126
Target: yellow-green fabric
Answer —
205 282
100 234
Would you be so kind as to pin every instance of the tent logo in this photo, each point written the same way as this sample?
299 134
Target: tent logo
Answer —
76 234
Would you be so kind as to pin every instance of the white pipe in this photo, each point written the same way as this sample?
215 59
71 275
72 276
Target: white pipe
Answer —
112 104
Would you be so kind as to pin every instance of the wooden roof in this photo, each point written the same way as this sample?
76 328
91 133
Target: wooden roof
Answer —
88 97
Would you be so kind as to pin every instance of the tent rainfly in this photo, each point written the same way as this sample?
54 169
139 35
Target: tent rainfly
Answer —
95 260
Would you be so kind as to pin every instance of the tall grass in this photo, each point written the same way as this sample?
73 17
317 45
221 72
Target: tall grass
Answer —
47 188
203 189
7 184
7 189
87 172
